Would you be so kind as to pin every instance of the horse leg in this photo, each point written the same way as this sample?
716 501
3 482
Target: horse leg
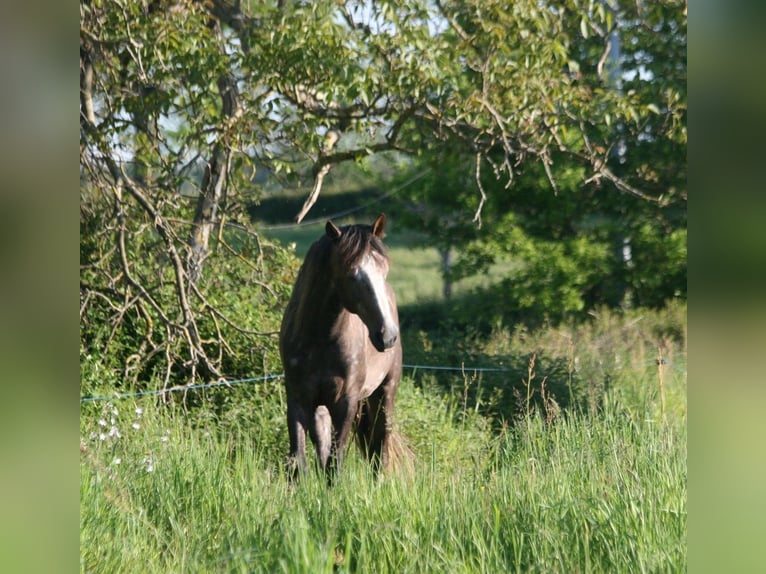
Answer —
374 427
297 420
321 435
343 414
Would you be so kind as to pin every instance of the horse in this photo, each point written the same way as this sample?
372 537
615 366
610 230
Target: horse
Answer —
341 351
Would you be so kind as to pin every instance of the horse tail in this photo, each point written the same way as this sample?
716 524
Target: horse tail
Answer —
399 456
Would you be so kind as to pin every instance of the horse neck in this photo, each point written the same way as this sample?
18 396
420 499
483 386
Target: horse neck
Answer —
319 309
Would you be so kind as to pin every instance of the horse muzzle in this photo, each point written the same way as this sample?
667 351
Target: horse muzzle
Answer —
385 337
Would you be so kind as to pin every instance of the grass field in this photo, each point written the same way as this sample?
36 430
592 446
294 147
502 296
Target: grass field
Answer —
581 490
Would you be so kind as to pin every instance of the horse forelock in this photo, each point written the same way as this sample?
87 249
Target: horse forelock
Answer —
356 242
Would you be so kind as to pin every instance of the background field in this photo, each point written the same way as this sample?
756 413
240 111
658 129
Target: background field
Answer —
414 275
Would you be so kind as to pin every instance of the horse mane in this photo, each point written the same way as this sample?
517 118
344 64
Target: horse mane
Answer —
353 244
356 241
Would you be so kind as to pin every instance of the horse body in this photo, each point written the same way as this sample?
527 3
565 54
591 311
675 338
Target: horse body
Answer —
340 348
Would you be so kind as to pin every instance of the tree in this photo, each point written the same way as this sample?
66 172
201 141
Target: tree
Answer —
181 99
575 243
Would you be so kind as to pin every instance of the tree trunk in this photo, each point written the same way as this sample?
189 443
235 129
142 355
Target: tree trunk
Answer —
213 183
446 263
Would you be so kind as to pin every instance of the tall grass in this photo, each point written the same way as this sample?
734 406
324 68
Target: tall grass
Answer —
165 491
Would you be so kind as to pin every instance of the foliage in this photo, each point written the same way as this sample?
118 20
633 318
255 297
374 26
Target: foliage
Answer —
557 368
571 242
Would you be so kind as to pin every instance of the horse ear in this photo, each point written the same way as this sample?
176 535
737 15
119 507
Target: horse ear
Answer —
333 232
379 226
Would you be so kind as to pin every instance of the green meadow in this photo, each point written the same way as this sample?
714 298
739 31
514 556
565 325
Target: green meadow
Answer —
593 488
605 493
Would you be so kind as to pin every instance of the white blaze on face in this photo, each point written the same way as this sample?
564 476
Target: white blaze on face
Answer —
376 282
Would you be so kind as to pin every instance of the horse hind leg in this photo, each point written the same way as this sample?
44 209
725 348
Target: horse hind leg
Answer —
373 430
384 447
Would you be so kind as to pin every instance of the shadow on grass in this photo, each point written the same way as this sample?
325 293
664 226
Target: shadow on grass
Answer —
550 367
516 380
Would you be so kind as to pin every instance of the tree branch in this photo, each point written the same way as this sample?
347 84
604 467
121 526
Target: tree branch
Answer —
326 161
477 215
189 326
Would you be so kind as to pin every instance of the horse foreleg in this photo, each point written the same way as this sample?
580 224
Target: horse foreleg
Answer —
297 420
321 435
343 414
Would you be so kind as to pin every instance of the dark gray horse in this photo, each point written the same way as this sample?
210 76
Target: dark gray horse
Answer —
340 348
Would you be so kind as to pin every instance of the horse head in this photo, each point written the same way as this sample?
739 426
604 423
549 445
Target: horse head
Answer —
360 267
